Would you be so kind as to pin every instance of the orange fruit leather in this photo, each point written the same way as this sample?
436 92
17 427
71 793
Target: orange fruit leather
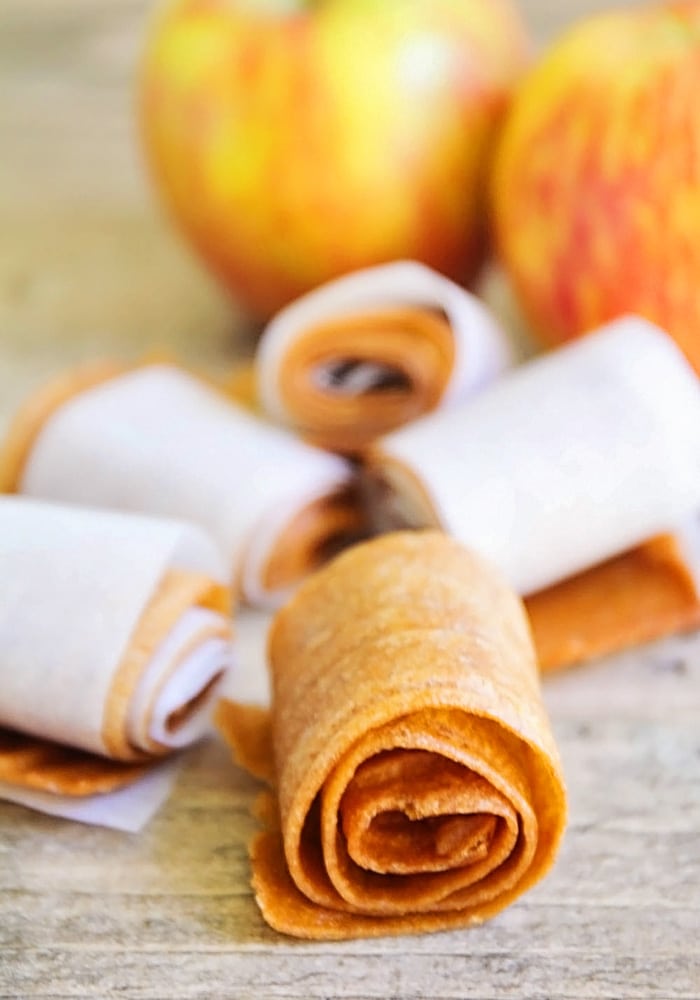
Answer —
414 345
641 595
415 780
317 531
29 762
240 385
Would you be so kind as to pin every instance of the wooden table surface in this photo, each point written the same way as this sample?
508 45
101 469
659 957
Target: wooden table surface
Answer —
87 267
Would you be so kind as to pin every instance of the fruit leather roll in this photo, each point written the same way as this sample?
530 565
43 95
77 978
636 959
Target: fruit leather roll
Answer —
158 440
114 631
554 472
370 351
416 782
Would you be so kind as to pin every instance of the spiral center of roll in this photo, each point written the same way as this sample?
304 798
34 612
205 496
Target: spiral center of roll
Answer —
358 377
410 811
319 531
179 716
434 843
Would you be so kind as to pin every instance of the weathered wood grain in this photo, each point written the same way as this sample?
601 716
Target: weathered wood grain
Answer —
90 912
87 267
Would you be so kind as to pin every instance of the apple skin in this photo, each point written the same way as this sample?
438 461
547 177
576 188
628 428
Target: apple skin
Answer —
596 182
294 142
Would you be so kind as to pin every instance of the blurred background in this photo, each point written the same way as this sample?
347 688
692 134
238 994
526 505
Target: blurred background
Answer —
88 261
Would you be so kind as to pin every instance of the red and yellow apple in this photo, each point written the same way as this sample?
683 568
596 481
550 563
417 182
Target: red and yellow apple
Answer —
596 183
295 141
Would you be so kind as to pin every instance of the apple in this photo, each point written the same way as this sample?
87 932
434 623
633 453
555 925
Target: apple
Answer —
596 182
296 141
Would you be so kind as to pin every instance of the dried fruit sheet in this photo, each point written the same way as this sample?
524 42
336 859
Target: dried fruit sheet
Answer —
114 631
372 350
416 783
158 440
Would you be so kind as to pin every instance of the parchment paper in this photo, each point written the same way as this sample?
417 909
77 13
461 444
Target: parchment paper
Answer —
570 459
156 440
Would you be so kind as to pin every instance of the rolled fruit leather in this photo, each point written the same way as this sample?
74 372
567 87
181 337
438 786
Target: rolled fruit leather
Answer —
415 783
157 440
115 631
370 351
564 474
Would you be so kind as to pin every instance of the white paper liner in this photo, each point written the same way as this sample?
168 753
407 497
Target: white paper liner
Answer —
127 809
249 683
74 585
482 348
571 459
158 441
204 660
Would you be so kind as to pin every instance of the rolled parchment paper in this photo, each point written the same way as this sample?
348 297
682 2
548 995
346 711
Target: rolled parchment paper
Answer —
370 351
563 475
571 459
416 784
159 441
114 633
